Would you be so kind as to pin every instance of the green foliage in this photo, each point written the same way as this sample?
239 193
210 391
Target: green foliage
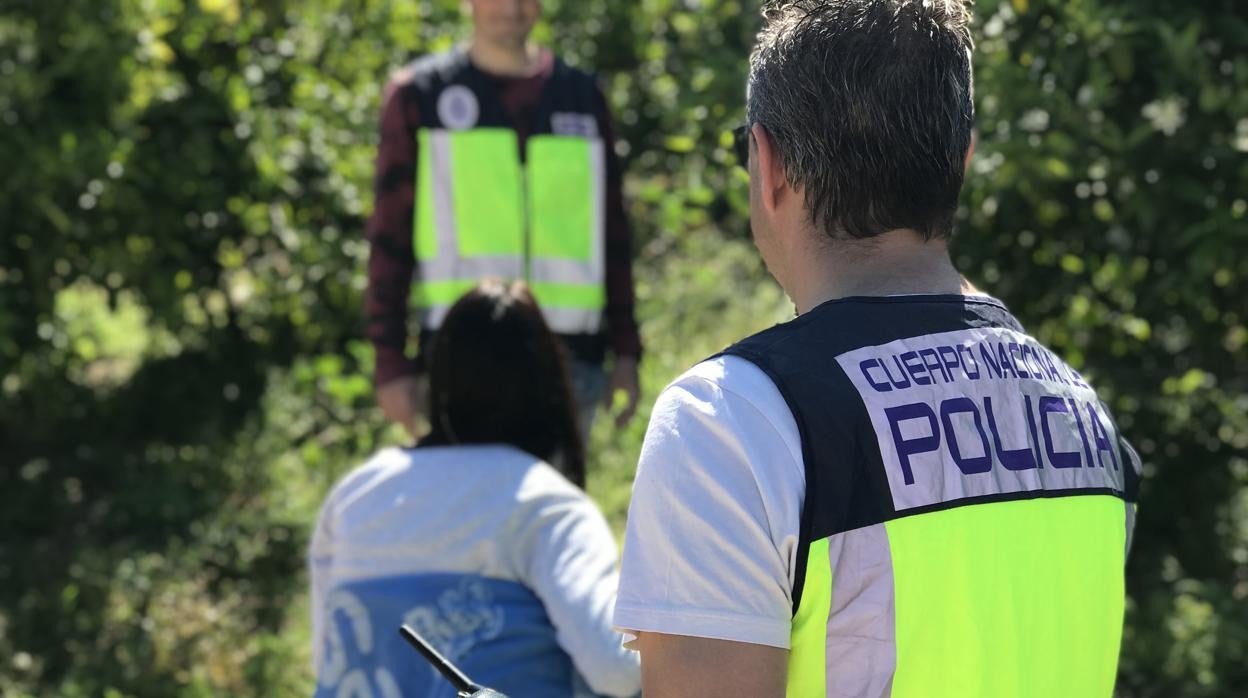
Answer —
181 369
1107 205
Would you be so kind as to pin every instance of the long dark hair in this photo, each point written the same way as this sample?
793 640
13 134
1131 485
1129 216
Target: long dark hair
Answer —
498 375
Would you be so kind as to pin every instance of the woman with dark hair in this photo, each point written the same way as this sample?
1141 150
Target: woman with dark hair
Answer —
480 537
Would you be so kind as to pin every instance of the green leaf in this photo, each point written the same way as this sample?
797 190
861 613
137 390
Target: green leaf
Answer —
679 144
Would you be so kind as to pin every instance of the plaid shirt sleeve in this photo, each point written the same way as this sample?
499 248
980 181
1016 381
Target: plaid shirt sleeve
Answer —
391 264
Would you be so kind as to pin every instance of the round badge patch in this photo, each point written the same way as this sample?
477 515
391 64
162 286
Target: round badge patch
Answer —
458 108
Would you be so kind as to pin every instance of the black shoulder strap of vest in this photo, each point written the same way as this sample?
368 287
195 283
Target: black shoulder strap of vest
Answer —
435 70
755 350
568 90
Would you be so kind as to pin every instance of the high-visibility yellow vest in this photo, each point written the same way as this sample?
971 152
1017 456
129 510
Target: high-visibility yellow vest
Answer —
480 212
968 507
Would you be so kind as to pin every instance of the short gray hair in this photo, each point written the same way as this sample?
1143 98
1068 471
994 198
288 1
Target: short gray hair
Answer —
869 103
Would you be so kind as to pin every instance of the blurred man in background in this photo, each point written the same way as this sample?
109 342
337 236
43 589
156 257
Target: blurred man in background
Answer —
496 160
900 492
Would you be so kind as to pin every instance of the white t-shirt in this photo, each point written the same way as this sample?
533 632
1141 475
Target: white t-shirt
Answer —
712 541
490 511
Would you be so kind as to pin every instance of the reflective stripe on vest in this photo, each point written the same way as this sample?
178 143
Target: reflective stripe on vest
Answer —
479 215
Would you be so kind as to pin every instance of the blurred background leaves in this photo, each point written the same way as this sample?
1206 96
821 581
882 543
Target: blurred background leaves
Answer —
182 373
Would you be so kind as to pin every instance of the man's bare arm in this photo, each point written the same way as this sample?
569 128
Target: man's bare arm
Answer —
676 666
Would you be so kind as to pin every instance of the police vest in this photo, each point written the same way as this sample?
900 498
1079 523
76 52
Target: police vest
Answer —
968 504
486 208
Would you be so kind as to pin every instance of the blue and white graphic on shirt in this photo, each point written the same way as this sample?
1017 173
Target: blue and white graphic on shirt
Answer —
463 617
338 673
490 628
981 412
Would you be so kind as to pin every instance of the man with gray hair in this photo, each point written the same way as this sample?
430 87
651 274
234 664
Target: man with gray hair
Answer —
899 492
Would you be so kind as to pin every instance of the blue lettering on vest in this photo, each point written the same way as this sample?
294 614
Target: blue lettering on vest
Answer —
966 355
1083 434
931 361
968 466
1059 459
1101 437
948 359
985 353
897 382
1003 358
914 366
1051 365
866 366
909 447
1036 360
1017 459
1027 353
1014 352
1031 429
942 432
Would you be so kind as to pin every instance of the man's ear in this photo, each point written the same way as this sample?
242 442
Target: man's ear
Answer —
970 150
769 168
